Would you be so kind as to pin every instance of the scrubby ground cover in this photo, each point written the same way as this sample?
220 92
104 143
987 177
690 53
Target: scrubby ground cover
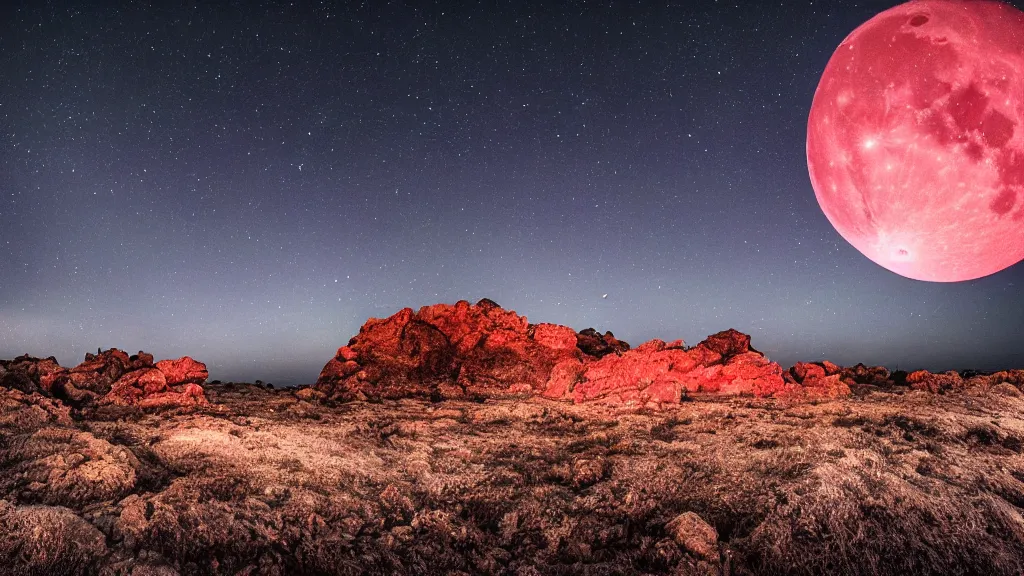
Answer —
261 482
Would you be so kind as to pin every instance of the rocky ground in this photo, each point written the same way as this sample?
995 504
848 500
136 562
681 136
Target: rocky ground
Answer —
260 481
463 439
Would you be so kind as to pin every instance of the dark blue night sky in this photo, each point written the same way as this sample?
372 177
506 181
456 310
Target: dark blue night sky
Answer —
247 184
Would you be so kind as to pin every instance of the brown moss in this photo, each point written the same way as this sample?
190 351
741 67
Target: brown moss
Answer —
260 482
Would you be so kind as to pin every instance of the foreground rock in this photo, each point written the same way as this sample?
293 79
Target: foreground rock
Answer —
258 482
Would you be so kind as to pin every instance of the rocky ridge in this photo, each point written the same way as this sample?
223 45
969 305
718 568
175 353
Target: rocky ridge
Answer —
481 350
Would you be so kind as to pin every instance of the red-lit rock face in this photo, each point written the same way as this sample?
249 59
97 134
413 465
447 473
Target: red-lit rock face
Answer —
184 370
110 377
818 381
94 377
167 383
30 374
656 373
915 140
453 350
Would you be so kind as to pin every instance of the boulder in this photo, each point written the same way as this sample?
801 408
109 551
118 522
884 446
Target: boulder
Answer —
79 388
936 383
807 371
1012 377
593 343
695 536
820 388
728 343
815 381
187 395
42 372
112 377
97 374
184 370
870 375
112 363
149 388
831 368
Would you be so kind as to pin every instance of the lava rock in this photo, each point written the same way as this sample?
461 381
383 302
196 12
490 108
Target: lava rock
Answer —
656 373
482 350
593 343
18 380
870 375
48 540
936 383
451 350
43 372
97 375
695 536
184 370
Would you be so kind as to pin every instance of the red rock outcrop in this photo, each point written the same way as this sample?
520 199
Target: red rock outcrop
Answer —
448 350
110 377
167 383
454 350
870 375
135 393
592 343
17 380
987 381
935 383
42 372
815 381
184 370
94 377
657 373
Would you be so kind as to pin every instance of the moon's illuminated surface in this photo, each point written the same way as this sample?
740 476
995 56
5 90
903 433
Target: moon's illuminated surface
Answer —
915 140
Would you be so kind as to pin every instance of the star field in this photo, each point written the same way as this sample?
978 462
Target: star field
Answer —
247 183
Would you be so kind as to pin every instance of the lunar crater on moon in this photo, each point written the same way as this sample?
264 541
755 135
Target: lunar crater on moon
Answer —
915 147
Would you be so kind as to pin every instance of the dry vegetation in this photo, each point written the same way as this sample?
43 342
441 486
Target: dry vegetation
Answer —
261 482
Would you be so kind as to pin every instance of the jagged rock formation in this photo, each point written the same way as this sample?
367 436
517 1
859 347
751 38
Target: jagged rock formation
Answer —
817 380
30 374
182 371
482 350
656 373
598 345
111 377
451 351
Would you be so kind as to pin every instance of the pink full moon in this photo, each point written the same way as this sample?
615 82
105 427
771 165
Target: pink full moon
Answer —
915 140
